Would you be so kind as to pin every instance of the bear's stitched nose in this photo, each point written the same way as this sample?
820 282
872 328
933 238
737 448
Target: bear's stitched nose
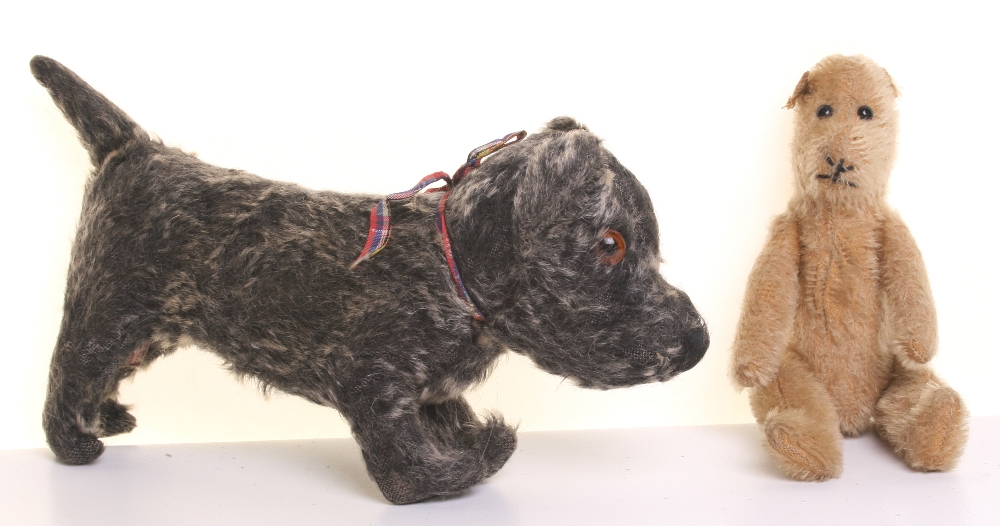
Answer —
838 168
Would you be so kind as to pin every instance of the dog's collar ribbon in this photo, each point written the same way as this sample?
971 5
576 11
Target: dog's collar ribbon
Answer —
380 219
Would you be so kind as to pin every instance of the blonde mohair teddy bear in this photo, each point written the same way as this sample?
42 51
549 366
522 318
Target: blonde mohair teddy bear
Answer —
838 322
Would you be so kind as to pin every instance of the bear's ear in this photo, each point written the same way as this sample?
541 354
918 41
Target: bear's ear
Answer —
895 90
801 90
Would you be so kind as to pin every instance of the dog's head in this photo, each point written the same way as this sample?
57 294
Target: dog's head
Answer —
845 131
559 246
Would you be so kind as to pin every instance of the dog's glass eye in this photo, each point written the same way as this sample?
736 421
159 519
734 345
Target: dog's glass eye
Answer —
865 113
611 248
824 111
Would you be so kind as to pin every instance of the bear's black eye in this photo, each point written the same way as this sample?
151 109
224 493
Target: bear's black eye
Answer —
611 248
865 113
824 111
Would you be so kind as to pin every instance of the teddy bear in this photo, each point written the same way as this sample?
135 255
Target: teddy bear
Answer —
385 309
838 322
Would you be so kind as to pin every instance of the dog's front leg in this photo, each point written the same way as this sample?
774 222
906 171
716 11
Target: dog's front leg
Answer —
415 452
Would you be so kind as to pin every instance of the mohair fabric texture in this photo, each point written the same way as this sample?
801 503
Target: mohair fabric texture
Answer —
171 250
838 321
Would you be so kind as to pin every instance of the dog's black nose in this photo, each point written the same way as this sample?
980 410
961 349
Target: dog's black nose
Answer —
695 344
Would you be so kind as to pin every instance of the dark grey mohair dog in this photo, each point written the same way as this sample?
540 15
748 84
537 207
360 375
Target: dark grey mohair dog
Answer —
555 240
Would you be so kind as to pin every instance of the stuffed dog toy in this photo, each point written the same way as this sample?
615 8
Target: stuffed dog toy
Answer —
548 248
838 321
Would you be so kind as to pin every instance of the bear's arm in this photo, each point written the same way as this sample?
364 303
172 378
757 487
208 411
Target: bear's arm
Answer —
907 292
772 296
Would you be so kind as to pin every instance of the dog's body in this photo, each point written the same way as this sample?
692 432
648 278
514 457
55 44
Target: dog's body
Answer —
838 321
171 250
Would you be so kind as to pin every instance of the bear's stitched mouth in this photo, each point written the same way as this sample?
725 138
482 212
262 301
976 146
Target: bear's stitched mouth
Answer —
838 168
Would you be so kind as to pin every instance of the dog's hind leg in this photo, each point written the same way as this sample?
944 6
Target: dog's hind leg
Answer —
81 404
115 418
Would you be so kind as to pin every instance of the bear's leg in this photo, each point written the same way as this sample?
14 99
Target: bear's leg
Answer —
799 422
923 419
417 452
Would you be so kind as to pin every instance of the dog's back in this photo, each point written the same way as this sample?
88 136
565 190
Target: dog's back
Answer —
171 250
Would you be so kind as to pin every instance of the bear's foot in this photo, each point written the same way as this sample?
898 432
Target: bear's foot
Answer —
803 448
931 434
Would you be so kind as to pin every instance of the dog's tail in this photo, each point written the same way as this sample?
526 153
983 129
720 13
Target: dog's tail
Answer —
102 126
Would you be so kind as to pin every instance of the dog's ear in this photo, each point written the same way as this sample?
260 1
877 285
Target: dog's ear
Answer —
801 90
564 124
563 171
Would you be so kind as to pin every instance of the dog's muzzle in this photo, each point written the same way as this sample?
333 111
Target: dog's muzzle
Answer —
695 344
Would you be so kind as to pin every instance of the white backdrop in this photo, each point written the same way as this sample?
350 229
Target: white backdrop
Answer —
372 97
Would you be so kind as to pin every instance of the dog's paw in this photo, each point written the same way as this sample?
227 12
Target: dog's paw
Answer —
115 419
82 449
496 443
70 444
397 488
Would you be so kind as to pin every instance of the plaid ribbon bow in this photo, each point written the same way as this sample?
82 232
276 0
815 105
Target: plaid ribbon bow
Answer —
380 224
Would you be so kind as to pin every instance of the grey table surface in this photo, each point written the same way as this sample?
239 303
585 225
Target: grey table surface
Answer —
674 475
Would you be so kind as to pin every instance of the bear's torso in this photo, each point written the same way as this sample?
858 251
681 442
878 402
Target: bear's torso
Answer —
839 317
